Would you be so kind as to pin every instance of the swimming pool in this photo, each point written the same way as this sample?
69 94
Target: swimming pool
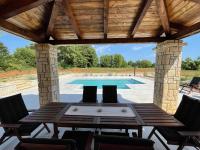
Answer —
121 83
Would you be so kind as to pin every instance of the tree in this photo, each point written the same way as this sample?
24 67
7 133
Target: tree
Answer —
189 64
4 57
26 56
144 64
77 56
117 61
106 61
90 55
114 61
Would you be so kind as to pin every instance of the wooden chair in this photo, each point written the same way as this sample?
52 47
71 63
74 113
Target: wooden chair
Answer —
193 85
82 138
188 113
46 144
106 142
89 94
12 109
110 94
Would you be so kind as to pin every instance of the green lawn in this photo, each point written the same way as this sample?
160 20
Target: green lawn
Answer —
186 75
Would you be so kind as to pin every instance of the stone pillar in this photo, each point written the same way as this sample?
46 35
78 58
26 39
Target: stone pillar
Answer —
47 72
167 74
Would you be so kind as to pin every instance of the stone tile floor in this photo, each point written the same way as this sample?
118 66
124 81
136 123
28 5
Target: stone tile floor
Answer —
138 93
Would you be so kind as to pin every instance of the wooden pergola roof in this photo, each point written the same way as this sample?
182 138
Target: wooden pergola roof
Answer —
100 21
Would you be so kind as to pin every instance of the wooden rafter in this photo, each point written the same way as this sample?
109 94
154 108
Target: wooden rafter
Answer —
51 19
16 7
139 17
69 13
9 27
106 12
162 12
195 1
187 32
176 26
110 40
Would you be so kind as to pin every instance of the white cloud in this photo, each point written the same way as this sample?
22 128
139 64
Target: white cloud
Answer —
102 48
137 48
1 33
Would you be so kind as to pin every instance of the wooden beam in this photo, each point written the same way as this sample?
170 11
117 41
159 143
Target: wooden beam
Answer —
51 19
177 26
187 32
69 13
11 28
162 12
106 12
16 7
105 41
173 25
139 17
195 1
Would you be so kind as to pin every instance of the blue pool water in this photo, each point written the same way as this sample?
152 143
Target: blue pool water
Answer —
121 83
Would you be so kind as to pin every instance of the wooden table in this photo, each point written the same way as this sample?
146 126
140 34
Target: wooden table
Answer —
146 115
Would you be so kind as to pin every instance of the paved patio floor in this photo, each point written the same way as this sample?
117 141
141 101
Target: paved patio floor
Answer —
138 93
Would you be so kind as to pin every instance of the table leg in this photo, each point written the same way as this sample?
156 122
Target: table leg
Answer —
56 132
140 131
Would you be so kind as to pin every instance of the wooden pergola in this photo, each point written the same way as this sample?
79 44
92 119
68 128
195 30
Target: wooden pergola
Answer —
100 21
53 22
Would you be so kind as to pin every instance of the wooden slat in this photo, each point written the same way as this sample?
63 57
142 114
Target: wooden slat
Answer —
106 13
52 19
195 1
140 15
9 27
16 7
162 12
187 32
154 116
110 40
69 13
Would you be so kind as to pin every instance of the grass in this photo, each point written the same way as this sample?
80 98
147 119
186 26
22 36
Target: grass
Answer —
186 75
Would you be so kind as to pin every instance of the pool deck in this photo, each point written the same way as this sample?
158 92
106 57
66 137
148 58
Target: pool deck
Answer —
138 93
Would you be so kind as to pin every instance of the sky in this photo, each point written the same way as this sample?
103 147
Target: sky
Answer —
129 51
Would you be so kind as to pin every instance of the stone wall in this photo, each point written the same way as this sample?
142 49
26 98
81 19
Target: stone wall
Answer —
47 72
167 74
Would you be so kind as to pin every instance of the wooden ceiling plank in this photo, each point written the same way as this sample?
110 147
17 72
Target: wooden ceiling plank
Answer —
139 17
11 28
15 8
195 1
177 26
106 13
110 40
69 13
162 12
51 19
187 32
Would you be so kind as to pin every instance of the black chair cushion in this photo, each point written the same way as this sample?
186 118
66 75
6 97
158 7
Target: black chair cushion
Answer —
123 142
12 109
46 144
82 138
109 94
170 134
195 81
89 94
186 112
115 134
26 129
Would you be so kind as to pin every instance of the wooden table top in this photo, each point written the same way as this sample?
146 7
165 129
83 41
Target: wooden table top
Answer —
146 115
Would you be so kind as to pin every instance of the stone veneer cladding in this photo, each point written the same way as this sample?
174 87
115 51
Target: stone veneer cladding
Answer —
167 74
47 72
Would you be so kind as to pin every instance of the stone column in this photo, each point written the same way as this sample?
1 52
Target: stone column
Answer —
47 72
167 74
